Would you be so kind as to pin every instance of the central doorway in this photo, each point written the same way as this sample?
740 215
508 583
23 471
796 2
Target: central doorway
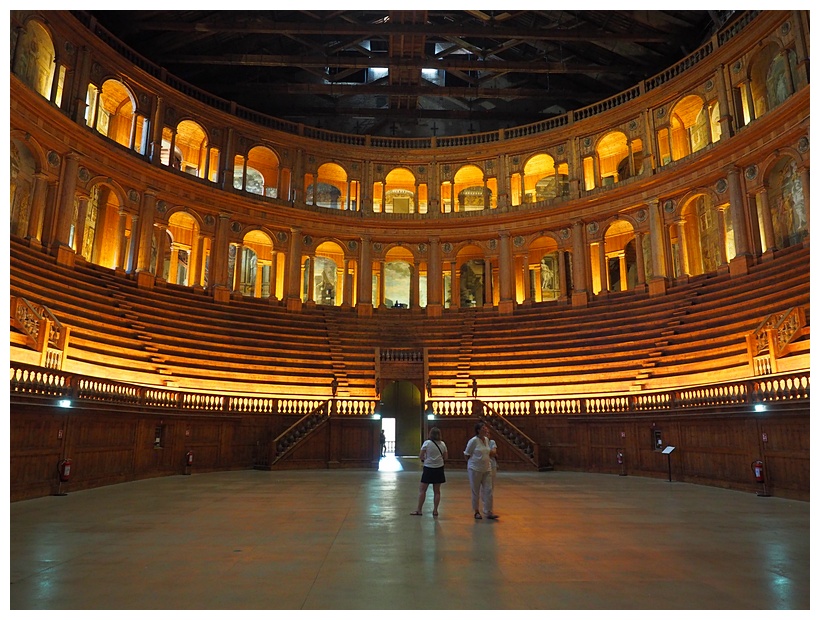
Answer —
402 400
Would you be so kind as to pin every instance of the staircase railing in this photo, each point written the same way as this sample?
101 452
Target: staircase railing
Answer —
44 331
525 446
290 438
770 340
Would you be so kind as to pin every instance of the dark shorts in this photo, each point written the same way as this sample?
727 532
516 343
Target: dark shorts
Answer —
433 475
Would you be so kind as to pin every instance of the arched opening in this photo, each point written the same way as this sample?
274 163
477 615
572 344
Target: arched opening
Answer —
259 174
400 192
329 189
787 204
398 278
113 115
34 62
469 192
93 232
621 257
23 167
402 401
703 234
690 127
540 179
542 271
328 274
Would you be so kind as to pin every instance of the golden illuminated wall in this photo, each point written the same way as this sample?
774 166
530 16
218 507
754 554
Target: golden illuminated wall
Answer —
698 169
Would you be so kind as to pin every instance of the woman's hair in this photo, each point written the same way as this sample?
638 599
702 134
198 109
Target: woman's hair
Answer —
435 433
478 427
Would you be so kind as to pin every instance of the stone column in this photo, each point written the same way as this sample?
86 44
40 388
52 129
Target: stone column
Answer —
639 258
120 247
505 300
237 269
65 211
162 243
79 225
293 297
603 267
364 305
274 274
580 295
414 285
525 275
750 102
219 281
724 259
724 101
346 290
658 281
488 281
740 264
562 274
434 280
79 85
683 255
145 279
311 279
763 209
157 126
381 281
197 260
455 296
133 245
38 206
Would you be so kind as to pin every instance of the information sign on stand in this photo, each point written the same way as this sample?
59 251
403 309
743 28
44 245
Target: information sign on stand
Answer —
668 451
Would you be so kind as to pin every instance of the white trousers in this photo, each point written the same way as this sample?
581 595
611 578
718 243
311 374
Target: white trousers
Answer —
481 485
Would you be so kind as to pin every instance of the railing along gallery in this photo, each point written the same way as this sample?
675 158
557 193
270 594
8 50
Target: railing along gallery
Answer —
36 381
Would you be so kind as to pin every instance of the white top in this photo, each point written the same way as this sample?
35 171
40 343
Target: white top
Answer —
432 456
493 461
479 452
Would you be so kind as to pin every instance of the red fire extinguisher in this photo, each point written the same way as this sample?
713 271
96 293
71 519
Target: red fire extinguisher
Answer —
189 459
64 470
620 457
757 469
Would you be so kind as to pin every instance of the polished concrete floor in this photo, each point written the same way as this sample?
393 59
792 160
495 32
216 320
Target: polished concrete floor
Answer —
345 539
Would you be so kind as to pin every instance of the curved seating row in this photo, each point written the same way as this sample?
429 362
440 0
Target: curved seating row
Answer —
179 337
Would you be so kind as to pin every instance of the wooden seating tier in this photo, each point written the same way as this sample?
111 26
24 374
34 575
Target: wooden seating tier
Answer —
178 336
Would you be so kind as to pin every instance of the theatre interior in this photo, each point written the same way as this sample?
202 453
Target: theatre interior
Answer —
251 241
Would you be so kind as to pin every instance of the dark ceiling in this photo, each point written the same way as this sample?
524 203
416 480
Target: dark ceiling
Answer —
413 73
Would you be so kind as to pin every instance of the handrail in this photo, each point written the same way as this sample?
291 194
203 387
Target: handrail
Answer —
520 441
28 379
769 341
721 37
28 320
297 431
789 325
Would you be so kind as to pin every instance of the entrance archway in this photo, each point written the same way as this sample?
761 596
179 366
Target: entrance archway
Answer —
402 400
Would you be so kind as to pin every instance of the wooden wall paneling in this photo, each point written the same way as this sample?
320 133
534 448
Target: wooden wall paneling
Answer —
785 453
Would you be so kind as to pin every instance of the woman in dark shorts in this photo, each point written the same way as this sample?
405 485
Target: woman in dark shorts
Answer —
433 452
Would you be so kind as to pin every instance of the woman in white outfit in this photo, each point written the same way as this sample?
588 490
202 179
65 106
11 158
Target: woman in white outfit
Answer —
479 455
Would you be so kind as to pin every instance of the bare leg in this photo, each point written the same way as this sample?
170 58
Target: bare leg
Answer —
436 498
422 494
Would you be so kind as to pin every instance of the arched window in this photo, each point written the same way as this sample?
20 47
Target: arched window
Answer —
112 114
34 59
22 187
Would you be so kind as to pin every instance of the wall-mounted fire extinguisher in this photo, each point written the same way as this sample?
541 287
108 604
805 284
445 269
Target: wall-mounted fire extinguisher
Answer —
620 457
64 470
757 469
189 458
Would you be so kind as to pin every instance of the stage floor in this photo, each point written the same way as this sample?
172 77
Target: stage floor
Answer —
345 539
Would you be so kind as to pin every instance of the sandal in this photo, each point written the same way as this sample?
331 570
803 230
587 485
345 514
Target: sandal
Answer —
492 515
477 515
416 513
